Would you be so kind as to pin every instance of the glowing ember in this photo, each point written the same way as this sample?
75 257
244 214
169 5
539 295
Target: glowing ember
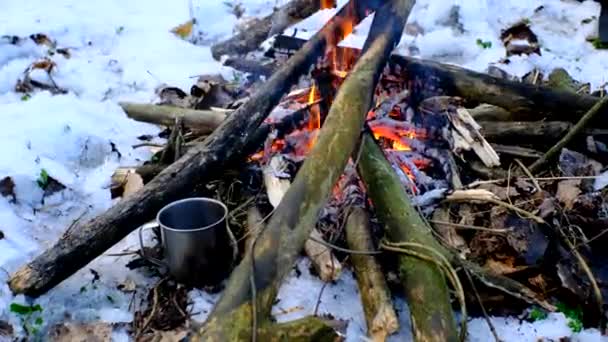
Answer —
397 145
327 4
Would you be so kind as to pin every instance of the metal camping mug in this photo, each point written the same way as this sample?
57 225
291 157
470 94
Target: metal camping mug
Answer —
196 241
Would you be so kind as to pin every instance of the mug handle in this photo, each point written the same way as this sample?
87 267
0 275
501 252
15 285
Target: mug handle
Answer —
151 259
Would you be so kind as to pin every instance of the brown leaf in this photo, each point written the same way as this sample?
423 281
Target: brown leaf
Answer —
42 39
91 332
519 39
176 335
184 30
567 192
127 286
503 267
448 232
6 329
575 164
7 188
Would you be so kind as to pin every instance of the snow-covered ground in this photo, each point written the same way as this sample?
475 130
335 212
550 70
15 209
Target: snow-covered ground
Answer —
123 50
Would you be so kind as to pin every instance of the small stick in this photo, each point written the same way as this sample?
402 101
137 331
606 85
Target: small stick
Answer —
597 108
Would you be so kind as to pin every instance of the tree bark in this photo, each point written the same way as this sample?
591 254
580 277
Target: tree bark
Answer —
535 133
525 102
282 240
425 285
83 242
203 120
305 329
380 315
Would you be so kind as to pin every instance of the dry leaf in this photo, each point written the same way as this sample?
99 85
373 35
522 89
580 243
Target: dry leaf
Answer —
567 192
449 233
127 286
184 30
503 267
91 332
176 335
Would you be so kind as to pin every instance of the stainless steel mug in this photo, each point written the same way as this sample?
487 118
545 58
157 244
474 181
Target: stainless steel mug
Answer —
196 241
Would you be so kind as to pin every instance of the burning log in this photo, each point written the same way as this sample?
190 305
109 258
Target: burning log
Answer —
424 283
525 102
380 315
250 38
83 242
288 230
202 120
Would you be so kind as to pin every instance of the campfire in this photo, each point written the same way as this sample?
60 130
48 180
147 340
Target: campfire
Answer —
346 153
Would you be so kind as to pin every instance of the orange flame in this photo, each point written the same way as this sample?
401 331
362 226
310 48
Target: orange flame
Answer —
397 145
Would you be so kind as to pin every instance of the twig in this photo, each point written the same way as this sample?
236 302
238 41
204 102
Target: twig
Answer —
153 311
529 174
484 196
472 227
597 293
573 132
319 298
483 308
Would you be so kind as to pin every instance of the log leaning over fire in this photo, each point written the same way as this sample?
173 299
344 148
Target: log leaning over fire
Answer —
380 315
206 120
282 240
257 31
424 283
525 102
323 259
84 241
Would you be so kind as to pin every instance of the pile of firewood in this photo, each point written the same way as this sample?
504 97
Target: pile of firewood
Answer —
489 228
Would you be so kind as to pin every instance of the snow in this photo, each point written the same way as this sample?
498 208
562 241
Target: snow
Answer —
123 50
562 28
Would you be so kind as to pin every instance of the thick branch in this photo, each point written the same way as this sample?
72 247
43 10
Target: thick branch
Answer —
525 102
380 315
424 283
206 120
282 240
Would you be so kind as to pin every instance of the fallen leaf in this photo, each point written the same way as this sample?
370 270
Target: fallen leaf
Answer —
184 30
91 332
7 188
575 164
6 329
567 192
176 335
127 286
503 267
448 233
